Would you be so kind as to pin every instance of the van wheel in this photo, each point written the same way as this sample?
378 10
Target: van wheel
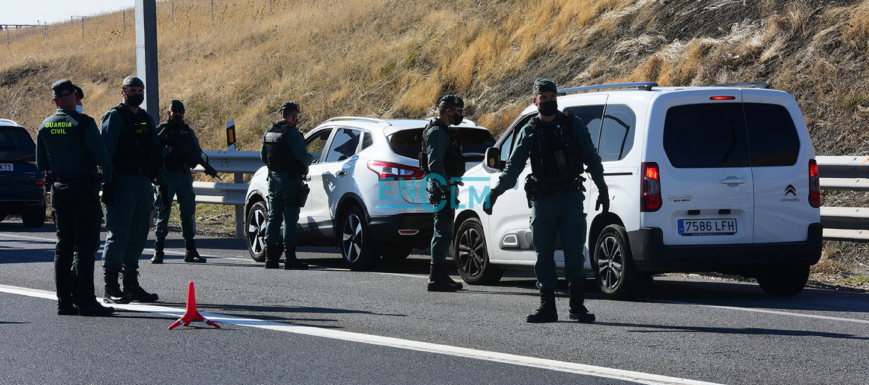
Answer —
471 255
255 224
34 219
613 264
784 281
357 246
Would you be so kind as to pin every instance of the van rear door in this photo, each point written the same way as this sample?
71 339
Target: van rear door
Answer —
780 150
706 181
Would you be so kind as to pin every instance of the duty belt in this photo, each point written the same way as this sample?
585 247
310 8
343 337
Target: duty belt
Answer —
137 171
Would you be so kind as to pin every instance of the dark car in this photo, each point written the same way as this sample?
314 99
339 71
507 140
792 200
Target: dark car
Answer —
22 186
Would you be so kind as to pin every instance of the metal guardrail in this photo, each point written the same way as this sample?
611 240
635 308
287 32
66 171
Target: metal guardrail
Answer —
844 173
839 173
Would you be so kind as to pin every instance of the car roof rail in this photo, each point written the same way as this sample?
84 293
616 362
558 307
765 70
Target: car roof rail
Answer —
758 84
647 86
345 118
8 121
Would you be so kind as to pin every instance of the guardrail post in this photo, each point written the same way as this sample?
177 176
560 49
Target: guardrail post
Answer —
239 178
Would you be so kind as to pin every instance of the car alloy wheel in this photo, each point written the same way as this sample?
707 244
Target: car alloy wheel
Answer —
257 219
352 238
472 252
610 262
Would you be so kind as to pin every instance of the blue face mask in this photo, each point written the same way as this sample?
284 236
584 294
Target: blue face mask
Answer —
79 108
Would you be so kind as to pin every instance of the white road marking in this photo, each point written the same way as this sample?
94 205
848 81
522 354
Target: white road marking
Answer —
510 359
823 317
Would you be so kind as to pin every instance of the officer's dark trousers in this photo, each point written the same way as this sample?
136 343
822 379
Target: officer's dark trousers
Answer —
444 220
550 216
78 217
180 185
283 208
127 223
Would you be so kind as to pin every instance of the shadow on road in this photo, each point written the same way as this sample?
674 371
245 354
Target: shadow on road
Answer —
732 331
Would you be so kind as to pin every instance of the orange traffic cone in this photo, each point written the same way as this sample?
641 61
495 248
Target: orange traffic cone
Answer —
192 314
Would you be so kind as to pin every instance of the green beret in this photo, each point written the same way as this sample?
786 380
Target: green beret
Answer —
58 88
79 92
176 106
452 100
290 106
542 85
132 81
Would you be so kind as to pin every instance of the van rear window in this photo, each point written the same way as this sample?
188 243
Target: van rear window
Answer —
408 143
730 135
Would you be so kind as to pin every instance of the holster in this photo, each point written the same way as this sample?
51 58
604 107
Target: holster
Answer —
304 191
530 188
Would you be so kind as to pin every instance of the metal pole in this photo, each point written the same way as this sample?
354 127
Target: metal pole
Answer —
125 20
212 10
146 53
46 30
82 27
173 13
7 37
270 5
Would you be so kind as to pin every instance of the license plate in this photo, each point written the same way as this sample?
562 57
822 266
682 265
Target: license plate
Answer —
689 227
6 167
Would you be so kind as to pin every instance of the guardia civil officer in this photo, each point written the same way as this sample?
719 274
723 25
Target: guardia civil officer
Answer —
284 152
68 144
444 162
130 137
179 144
558 144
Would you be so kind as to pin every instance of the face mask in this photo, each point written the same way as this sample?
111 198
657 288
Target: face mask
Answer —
135 100
457 119
176 120
548 108
79 108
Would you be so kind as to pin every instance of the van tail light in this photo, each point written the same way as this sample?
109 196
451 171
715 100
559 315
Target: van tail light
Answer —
814 184
723 98
394 171
650 194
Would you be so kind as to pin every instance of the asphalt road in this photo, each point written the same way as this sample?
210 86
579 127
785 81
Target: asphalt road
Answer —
331 325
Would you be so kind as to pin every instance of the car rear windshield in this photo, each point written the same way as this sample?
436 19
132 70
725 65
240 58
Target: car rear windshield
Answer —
13 137
408 143
719 135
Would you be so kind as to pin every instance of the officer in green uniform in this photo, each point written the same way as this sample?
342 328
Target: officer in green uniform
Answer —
443 160
130 137
177 139
68 144
558 144
284 152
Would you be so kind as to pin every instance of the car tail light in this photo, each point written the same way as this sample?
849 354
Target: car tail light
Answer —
650 194
393 171
814 184
31 161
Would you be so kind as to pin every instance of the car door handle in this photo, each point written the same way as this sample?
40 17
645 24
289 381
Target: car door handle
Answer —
342 173
732 181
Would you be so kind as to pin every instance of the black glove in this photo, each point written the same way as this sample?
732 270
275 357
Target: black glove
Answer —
603 198
490 201
108 194
165 199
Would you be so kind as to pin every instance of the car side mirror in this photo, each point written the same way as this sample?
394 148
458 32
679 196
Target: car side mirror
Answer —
493 158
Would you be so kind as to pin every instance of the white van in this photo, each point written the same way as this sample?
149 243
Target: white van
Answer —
715 178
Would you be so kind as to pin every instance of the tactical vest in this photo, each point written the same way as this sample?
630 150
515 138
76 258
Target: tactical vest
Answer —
138 151
278 153
454 158
177 137
556 155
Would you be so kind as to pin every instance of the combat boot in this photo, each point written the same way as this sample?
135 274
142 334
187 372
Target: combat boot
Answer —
94 308
547 311
438 280
66 308
291 262
113 288
191 255
458 285
577 309
273 256
158 252
134 291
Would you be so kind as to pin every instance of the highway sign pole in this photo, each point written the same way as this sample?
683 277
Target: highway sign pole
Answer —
146 54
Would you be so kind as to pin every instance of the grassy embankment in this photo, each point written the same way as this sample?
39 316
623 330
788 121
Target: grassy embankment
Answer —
394 58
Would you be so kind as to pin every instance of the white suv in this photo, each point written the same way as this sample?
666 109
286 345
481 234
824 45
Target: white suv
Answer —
365 189
715 178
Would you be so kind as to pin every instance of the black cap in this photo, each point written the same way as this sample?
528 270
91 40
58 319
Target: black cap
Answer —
542 85
133 81
59 87
452 100
79 92
291 106
176 106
